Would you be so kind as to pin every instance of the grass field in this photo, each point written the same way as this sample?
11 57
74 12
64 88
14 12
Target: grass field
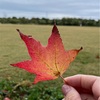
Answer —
12 49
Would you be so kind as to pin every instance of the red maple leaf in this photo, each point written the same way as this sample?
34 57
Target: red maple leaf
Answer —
48 62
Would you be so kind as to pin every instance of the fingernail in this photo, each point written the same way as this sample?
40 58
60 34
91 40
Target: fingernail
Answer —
65 89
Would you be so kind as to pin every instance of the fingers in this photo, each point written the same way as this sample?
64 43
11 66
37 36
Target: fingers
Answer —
96 88
85 83
70 93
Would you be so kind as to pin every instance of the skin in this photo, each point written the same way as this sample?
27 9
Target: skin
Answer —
81 87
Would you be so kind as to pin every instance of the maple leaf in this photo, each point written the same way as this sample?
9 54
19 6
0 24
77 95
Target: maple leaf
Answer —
49 62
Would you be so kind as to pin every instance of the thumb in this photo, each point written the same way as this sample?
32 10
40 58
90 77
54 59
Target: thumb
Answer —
70 93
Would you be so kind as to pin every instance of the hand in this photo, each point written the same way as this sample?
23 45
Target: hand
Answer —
81 87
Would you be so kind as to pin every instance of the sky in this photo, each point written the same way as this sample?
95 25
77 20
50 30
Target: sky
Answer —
88 9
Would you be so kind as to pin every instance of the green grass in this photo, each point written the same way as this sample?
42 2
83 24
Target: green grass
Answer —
12 49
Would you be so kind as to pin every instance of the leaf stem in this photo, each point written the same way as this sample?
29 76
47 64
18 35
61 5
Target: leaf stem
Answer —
63 79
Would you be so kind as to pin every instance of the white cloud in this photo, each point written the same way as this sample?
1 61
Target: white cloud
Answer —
50 9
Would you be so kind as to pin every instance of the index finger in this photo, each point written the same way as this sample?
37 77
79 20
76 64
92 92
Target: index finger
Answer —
85 82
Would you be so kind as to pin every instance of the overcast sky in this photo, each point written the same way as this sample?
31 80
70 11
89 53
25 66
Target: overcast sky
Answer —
50 8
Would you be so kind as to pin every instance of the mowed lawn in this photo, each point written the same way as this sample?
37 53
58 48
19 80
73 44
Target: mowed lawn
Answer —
13 49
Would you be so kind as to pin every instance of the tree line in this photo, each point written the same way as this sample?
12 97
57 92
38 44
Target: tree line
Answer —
47 21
